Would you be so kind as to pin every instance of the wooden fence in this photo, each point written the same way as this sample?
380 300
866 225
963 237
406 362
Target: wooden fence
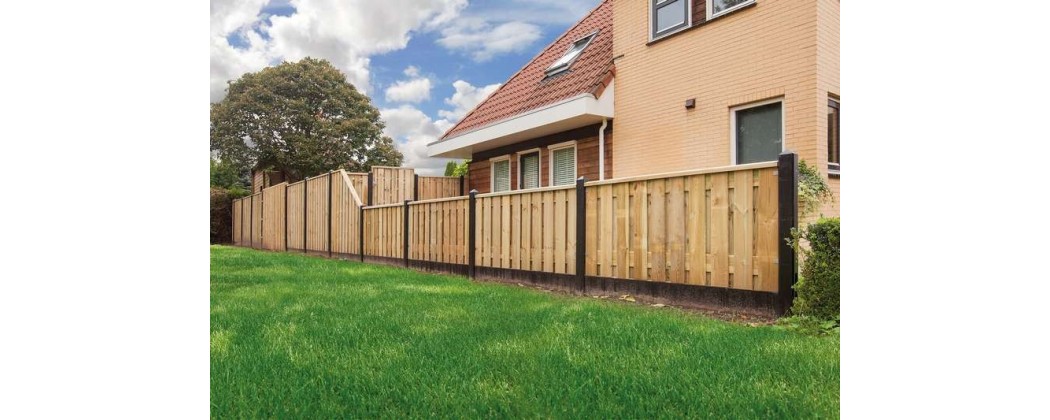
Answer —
439 230
434 187
720 231
714 229
531 230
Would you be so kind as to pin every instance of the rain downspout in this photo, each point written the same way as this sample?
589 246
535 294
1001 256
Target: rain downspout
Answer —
601 149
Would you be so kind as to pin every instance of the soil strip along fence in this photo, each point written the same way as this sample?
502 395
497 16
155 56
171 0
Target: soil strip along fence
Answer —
710 238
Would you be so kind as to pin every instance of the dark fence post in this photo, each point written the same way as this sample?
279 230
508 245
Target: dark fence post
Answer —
471 240
329 215
361 231
787 180
404 238
371 188
306 181
581 233
462 185
286 217
415 189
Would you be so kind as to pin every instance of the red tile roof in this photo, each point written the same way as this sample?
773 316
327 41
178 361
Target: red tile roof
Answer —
529 88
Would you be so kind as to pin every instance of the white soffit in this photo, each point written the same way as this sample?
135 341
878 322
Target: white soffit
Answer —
578 111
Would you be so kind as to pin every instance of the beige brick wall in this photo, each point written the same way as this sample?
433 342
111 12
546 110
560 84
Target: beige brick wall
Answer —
762 52
827 83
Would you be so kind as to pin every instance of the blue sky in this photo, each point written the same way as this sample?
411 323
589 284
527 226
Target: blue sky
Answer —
424 63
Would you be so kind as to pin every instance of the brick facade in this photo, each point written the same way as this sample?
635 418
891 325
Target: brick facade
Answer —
586 157
773 49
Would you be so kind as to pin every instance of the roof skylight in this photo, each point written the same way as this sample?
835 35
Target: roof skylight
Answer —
573 52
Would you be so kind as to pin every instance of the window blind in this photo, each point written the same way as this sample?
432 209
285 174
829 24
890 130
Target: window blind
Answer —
564 166
501 176
530 170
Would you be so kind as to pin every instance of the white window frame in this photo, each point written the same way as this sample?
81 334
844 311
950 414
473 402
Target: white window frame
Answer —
710 8
575 155
539 161
589 37
492 173
732 124
652 19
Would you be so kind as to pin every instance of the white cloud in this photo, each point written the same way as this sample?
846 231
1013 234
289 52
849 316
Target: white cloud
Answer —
483 41
345 32
413 91
412 71
413 130
467 96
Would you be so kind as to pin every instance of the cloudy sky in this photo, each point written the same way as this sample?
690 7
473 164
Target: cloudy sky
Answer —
424 63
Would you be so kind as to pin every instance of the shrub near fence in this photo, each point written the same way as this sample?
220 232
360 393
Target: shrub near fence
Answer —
714 236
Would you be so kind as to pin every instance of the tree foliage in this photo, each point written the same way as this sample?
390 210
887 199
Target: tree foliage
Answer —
457 169
226 176
302 119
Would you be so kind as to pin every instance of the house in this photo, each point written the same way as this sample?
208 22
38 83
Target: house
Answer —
641 87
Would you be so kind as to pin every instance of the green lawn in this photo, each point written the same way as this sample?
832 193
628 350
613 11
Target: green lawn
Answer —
306 337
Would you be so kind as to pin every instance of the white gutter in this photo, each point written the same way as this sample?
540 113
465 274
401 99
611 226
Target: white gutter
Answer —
601 149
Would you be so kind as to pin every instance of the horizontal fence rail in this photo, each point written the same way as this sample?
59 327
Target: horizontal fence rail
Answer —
719 229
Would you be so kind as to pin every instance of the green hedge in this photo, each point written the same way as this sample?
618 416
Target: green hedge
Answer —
222 213
818 285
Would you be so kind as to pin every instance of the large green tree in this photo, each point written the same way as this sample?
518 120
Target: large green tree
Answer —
299 118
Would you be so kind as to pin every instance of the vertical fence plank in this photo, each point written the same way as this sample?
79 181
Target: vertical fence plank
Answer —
657 231
621 199
559 231
719 224
696 260
675 226
743 230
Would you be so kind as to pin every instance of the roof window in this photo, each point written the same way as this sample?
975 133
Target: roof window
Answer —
570 55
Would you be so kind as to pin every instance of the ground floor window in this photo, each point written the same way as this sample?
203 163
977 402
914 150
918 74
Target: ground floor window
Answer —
563 164
501 175
758 131
529 170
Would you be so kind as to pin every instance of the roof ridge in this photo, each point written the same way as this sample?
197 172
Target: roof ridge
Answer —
527 63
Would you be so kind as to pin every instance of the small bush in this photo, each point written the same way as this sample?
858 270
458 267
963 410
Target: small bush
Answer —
818 285
222 213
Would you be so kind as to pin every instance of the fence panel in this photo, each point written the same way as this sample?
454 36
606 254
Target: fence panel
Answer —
392 185
359 180
384 227
317 213
296 210
255 213
434 187
528 230
715 229
236 231
438 230
345 215
273 217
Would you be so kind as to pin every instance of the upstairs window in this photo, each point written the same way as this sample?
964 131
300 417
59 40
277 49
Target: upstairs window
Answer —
570 55
669 16
501 175
563 164
833 136
721 7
